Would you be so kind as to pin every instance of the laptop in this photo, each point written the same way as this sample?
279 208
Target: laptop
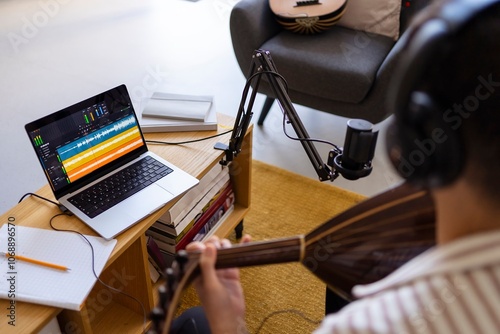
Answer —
98 165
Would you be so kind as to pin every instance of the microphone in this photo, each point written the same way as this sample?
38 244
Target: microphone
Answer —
352 162
355 160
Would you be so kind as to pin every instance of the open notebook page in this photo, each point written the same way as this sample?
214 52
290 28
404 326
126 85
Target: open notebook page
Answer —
42 285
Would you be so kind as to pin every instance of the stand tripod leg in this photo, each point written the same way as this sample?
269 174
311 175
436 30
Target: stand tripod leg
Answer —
268 103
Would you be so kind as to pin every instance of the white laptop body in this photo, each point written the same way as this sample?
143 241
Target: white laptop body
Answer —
83 144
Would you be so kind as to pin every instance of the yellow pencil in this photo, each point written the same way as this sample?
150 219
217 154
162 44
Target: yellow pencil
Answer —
39 262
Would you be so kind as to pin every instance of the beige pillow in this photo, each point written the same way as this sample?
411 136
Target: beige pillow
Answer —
373 16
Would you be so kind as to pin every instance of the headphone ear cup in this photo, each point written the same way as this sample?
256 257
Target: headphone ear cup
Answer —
394 149
422 146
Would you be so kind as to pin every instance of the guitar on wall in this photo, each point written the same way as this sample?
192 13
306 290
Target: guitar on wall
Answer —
359 246
308 16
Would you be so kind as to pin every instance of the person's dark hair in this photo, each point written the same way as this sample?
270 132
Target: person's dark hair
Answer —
469 78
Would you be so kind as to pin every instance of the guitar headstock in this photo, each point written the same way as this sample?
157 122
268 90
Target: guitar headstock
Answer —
177 278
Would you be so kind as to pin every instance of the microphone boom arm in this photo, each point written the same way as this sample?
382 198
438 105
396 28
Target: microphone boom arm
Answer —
360 140
267 66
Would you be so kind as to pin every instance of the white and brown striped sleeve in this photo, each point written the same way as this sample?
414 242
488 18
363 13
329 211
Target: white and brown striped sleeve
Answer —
464 298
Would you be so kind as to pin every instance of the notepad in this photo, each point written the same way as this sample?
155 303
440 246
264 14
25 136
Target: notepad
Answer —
47 286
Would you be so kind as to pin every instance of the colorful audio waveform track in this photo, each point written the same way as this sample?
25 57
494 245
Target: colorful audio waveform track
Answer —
95 138
95 150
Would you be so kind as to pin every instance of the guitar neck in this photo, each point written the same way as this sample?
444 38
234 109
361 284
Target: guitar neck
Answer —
276 251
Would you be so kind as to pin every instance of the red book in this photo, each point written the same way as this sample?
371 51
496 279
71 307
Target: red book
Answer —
155 254
212 212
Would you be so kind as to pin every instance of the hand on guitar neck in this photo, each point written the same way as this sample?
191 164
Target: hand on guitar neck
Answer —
220 291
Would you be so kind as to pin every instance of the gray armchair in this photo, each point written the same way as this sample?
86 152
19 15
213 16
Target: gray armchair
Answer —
340 71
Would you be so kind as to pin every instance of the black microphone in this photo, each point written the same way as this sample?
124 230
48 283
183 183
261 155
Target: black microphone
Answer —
355 160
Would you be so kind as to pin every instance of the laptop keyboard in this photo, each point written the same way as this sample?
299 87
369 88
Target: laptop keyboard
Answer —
119 186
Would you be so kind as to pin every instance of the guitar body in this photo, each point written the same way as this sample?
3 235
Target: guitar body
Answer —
308 16
372 239
361 245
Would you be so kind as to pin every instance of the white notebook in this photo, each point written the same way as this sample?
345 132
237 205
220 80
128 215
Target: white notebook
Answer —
176 106
42 285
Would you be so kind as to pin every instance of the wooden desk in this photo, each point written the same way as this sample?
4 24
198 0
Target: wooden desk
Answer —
127 268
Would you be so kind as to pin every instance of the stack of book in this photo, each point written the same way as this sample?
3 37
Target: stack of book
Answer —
193 217
165 112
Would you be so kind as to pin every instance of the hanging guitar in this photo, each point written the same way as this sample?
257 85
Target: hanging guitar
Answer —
359 246
308 16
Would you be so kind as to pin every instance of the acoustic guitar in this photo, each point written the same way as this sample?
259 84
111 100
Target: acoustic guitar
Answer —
308 16
359 246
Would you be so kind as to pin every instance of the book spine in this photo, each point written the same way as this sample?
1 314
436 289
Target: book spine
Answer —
178 127
154 253
221 214
188 201
160 234
165 246
211 216
153 270
202 211
198 210
167 242
207 232
200 204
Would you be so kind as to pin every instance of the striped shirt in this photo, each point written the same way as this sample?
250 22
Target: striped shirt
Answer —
450 289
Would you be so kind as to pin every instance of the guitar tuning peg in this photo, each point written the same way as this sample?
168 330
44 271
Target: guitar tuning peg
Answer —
170 276
157 316
163 295
181 258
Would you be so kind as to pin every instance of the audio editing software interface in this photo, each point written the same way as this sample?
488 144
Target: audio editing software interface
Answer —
74 146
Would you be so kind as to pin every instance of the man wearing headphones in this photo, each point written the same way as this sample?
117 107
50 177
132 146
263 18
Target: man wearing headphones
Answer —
445 136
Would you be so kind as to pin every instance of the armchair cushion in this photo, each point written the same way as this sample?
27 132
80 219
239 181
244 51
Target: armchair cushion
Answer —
373 16
338 53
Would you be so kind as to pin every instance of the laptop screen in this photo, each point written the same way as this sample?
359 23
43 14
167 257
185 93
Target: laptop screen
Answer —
82 142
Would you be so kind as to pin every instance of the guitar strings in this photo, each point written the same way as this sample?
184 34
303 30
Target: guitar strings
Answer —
343 234
394 203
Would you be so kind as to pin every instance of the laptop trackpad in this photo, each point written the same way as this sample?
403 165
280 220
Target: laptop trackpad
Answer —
146 201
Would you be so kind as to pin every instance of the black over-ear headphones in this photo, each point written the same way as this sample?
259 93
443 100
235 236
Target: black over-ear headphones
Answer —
422 146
